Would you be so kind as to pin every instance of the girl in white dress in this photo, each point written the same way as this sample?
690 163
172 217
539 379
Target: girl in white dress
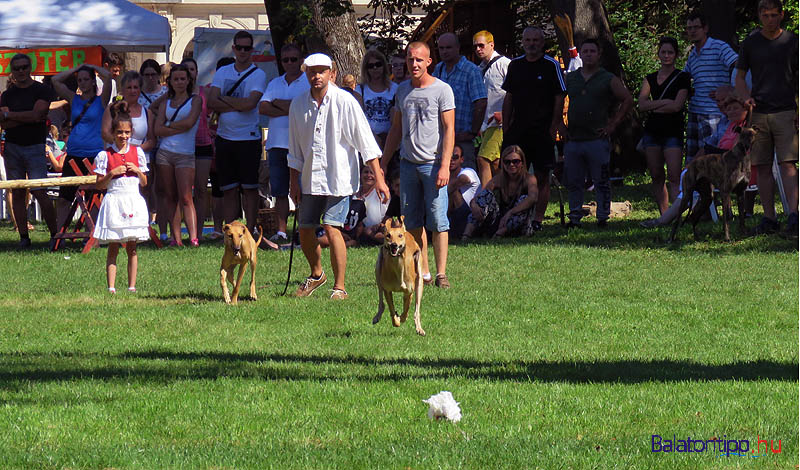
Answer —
123 216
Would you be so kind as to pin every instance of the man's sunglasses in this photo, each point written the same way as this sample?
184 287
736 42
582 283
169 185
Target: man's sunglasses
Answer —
286 60
375 65
243 48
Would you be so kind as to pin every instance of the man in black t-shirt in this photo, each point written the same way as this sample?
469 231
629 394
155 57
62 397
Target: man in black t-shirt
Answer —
532 111
771 56
23 115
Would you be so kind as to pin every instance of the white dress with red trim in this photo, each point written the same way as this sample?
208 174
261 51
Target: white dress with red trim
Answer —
123 216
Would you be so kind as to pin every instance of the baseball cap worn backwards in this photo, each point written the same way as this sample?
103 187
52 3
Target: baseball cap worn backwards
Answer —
318 59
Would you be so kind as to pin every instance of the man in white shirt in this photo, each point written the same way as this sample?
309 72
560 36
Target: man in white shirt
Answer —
493 67
234 94
462 187
275 104
327 131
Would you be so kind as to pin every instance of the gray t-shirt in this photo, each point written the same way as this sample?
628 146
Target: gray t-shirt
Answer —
422 128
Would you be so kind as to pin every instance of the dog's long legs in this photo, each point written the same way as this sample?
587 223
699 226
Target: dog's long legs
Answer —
706 198
685 204
418 300
741 203
223 279
253 275
726 213
239 277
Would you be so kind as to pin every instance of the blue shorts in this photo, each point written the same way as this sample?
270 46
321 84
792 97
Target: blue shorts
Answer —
25 160
332 209
278 171
650 140
421 202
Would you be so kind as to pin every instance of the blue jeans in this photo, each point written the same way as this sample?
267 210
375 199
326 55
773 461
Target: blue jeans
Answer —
278 171
421 202
592 157
25 160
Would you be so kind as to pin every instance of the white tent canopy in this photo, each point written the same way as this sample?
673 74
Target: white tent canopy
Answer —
117 25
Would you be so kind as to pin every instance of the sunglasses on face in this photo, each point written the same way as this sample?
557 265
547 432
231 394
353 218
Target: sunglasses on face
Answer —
286 60
374 65
513 161
243 48
20 68
479 46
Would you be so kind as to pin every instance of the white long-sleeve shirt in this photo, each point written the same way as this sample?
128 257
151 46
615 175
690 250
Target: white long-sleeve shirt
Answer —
324 142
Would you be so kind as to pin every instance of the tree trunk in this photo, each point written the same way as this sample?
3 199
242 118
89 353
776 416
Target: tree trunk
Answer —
333 30
589 20
721 18
339 37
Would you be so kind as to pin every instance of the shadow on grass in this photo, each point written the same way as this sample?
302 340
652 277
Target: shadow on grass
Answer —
161 366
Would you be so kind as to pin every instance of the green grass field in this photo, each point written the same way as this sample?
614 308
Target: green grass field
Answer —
566 351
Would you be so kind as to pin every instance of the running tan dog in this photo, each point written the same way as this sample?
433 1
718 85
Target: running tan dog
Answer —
240 248
399 269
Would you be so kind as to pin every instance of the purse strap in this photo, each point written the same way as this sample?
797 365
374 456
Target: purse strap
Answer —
664 91
175 114
83 111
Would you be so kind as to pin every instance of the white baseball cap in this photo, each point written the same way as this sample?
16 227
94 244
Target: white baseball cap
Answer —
318 59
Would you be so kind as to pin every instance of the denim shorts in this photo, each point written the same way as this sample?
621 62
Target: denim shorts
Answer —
651 140
332 209
421 202
25 160
278 171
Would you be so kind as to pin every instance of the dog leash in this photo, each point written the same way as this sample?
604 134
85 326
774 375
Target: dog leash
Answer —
291 250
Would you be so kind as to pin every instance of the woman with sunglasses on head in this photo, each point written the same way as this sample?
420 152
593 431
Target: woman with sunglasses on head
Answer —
151 83
176 124
377 92
86 139
505 206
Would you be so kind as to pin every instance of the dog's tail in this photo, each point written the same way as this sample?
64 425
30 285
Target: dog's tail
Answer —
260 235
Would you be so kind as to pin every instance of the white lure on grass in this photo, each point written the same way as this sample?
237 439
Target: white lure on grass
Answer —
442 405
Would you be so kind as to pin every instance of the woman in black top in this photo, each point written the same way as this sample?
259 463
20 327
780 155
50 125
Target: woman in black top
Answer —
664 94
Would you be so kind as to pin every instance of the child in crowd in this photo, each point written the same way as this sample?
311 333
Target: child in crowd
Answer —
123 216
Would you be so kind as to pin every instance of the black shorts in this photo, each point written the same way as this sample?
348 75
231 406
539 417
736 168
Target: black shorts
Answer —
537 145
237 163
68 192
204 152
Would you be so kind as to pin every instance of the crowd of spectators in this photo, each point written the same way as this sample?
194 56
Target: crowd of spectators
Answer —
467 150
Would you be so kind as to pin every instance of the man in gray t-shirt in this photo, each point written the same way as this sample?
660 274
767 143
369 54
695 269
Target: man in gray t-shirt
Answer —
424 120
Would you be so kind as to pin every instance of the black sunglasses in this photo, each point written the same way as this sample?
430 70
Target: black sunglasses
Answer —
20 68
286 60
243 48
515 161
375 65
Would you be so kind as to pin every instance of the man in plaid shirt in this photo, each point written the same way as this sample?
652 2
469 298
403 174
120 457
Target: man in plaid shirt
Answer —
466 80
